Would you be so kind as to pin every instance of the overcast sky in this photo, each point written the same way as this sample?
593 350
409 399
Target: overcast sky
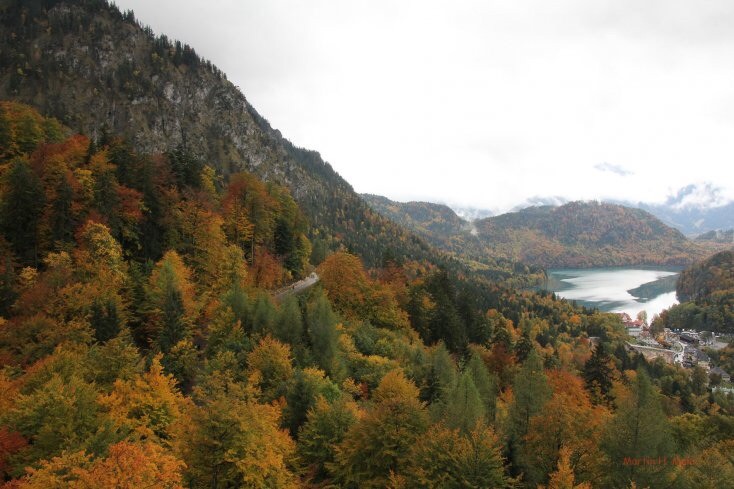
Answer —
484 103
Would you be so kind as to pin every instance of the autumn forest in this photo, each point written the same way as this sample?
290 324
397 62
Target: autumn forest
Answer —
151 336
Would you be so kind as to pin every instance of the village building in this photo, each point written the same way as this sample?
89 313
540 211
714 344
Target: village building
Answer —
689 337
725 377
651 353
634 327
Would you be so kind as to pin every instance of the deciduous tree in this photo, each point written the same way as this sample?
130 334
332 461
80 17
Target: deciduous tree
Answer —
270 364
232 441
446 459
379 443
149 405
127 466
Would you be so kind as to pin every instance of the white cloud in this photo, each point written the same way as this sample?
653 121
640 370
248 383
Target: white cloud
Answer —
701 196
616 169
483 103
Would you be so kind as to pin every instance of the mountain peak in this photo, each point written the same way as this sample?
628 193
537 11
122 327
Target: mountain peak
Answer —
584 234
91 66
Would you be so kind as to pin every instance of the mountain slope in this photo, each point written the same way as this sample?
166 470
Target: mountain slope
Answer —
576 234
708 279
424 217
443 228
706 292
585 234
89 65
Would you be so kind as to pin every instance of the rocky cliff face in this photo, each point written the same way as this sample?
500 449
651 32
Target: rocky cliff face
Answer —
91 66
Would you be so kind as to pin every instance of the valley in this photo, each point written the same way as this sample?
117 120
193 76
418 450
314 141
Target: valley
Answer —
573 235
189 300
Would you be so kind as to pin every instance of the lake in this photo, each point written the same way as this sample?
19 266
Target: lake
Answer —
629 290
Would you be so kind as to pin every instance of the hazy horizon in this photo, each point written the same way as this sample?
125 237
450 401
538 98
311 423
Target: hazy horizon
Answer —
485 104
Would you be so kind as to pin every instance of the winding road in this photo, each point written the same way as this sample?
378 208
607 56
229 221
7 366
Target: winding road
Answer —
296 287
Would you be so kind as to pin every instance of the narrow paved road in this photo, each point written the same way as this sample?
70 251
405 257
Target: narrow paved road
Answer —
296 287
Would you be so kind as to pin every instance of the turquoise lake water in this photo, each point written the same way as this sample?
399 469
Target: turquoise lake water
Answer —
609 288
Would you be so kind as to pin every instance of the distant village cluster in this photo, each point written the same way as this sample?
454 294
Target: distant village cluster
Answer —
682 347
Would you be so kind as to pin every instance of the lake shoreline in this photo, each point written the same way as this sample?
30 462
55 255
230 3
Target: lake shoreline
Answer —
629 289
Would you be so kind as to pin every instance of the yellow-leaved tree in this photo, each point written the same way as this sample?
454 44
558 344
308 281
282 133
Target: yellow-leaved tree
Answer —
233 441
149 405
380 442
171 303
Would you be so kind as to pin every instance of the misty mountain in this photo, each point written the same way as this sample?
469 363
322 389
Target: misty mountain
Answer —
471 213
443 228
538 201
695 209
718 236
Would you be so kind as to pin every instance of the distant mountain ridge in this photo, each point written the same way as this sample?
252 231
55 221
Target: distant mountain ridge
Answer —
717 236
693 209
694 220
586 234
577 234
443 228
424 217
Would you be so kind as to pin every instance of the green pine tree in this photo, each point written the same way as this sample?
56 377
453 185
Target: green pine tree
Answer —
324 336
20 211
485 382
465 408
639 431
599 374
289 324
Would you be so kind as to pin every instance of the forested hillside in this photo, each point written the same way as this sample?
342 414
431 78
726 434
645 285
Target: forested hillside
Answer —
706 292
142 344
442 228
433 220
585 234
577 234
99 71
707 279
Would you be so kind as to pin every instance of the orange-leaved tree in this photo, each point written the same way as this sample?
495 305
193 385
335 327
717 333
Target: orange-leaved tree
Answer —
570 420
127 466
